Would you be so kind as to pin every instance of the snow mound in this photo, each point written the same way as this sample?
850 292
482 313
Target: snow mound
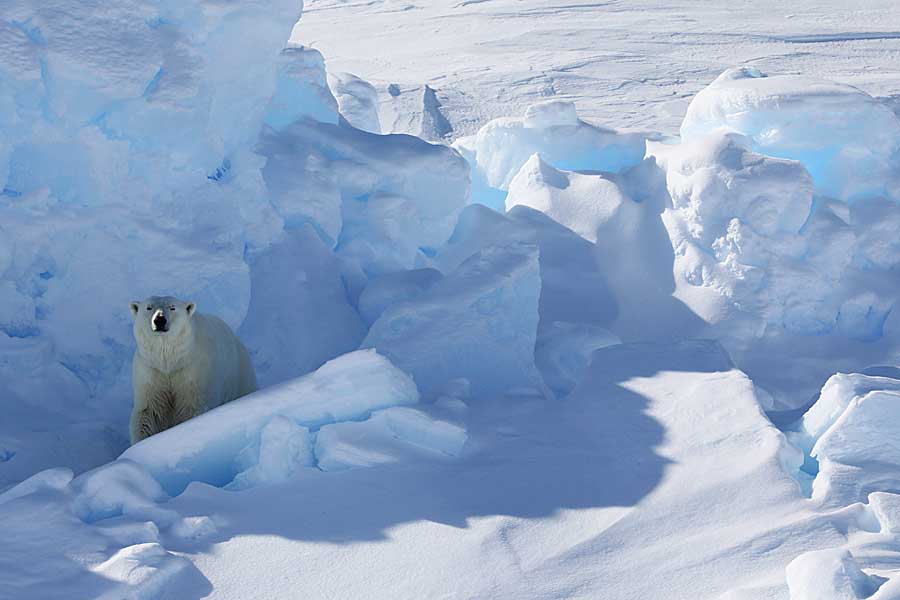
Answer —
502 147
143 571
832 574
846 139
121 156
390 435
118 488
254 435
479 322
48 479
592 206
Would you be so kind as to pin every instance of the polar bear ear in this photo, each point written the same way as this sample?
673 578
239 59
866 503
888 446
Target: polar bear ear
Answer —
191 307
135 306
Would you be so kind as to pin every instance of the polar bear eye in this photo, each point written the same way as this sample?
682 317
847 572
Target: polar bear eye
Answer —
149 308
171 308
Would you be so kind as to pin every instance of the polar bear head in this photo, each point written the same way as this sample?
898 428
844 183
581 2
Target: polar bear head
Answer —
161 317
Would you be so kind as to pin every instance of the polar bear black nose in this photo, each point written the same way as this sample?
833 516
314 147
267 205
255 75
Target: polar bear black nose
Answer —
159 322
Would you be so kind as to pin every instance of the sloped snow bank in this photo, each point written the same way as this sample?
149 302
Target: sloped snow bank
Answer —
217 446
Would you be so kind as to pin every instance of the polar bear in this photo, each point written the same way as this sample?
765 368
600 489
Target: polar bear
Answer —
185 364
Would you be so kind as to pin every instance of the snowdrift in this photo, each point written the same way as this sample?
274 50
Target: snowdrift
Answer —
267 435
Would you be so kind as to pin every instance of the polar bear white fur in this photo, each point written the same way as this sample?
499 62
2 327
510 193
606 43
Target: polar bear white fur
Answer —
185 364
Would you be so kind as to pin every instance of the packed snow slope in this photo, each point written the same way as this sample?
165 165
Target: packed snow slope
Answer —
545 360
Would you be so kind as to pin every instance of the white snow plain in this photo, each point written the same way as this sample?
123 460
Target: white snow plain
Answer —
542 354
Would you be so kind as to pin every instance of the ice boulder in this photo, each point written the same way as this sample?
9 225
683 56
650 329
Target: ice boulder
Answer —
836 396
860 451
357 101
479 322
234 438
299 314
388 436
392 288
574 287
399 195
846 139
552 129
593 206
744 239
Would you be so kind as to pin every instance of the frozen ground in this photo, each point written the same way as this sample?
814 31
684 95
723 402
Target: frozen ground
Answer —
629 330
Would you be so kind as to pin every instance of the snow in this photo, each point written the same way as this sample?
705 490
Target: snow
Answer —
828 573
552 129
847 140
541 298
390 435
480 322
593 206
249 438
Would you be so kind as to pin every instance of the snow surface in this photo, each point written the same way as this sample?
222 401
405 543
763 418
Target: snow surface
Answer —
527 298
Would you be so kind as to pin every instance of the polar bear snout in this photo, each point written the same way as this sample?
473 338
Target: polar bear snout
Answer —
159 322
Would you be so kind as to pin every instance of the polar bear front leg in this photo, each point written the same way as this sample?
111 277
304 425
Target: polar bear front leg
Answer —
150 416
